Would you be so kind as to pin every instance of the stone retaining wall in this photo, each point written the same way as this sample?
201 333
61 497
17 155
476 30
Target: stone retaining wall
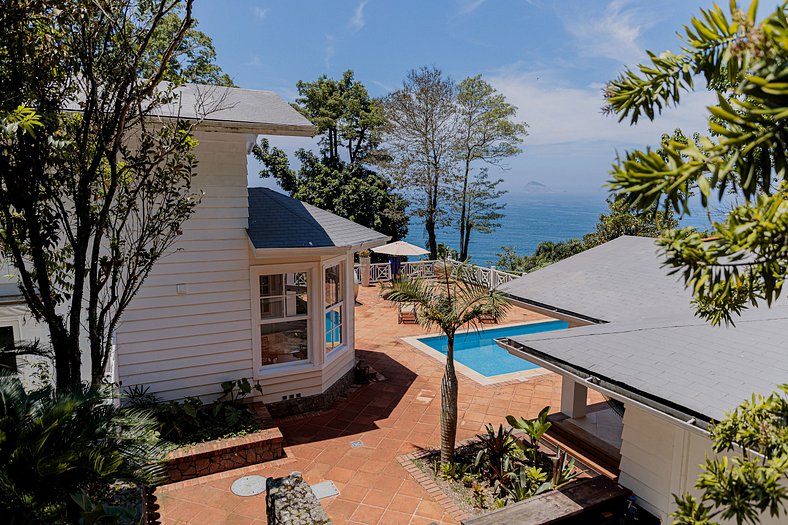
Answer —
224 454
290 501
299 405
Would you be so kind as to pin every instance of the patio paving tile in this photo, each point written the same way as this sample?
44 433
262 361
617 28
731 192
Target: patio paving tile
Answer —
390 418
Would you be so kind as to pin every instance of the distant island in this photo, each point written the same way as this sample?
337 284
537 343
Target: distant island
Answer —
537 187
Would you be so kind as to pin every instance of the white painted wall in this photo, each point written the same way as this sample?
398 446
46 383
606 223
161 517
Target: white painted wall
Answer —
185 344
661 457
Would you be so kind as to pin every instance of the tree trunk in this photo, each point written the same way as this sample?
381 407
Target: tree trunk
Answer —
464 214
448 405
67 358
465 243
429 225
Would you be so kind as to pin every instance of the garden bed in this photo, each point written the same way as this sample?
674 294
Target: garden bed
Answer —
224 454
494 470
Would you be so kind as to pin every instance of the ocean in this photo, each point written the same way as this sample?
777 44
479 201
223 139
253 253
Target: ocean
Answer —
531 218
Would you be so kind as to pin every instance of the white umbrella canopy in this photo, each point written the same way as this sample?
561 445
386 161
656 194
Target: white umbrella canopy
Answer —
400 249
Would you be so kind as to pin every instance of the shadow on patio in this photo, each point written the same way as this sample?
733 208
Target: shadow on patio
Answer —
360 411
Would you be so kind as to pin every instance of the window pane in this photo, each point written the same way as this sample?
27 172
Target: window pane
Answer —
333 285
7 361
272 308
333 328
296 293
270 285
284 342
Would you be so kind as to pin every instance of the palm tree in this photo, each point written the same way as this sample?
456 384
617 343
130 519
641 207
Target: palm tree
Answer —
453 299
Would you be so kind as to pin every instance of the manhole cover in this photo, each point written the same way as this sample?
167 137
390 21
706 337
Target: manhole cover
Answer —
356 444
248 486
325 489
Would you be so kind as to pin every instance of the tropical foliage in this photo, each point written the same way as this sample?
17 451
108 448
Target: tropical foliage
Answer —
340 179
452 300
62 451
745 260
499 468
751 481
193 421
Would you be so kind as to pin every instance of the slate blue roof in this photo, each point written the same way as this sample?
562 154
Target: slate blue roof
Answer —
651 342
279 221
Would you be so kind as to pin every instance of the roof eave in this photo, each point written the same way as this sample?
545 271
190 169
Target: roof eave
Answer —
250 128
315 250
254 128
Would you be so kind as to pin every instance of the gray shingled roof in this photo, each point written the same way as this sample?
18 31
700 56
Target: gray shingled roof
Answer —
652 343
278 221
236 109
616 281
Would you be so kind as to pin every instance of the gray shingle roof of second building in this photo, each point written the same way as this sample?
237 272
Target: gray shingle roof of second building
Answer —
705 369
652 343
617 281
277 221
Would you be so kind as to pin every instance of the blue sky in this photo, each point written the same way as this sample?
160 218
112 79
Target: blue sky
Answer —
549 57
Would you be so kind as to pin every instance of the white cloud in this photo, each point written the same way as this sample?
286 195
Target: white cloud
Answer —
558 113
613 33
330 51
254 61
469 6
357 21
259 13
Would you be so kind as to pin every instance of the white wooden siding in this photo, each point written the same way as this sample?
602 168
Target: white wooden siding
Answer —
187 344
659 458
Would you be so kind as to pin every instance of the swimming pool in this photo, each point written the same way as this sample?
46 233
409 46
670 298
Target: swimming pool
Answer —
477 349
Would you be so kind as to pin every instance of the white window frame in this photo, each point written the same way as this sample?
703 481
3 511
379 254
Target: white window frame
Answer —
340 350
342 296
296 367
15 325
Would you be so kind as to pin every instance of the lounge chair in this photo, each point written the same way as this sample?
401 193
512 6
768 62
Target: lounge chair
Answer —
488 318
406 313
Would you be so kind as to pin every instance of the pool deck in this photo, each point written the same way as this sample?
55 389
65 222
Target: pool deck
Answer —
392 417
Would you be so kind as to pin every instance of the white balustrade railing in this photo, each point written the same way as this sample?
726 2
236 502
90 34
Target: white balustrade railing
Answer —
381 272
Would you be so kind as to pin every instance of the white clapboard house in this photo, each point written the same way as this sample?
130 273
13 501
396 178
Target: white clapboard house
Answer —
259 285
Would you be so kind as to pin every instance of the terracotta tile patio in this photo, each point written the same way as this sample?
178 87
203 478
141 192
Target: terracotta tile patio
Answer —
391 418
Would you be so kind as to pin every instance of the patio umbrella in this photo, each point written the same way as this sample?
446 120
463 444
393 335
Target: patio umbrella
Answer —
400 249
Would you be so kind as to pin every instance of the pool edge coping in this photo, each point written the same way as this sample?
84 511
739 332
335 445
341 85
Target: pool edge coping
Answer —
470 373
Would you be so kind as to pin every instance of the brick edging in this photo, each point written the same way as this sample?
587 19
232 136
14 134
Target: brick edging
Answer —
428 483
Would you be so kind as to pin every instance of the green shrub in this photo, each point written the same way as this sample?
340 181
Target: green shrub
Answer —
62 452
191 421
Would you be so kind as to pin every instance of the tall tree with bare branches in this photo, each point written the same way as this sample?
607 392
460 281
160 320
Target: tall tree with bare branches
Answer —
487 134
421 133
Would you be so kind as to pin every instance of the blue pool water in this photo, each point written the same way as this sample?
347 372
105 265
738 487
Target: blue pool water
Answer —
477 349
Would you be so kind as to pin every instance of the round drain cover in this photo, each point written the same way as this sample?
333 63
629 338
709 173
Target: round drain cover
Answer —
248 486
